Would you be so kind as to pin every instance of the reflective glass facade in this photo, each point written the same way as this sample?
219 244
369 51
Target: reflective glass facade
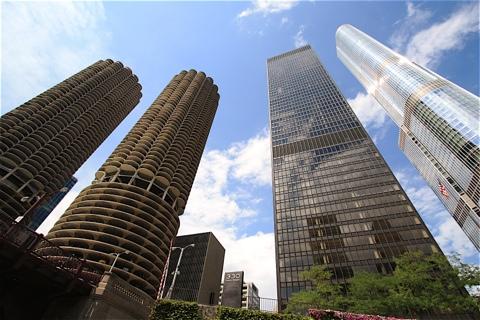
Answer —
44 211
439 121
200 270
336 202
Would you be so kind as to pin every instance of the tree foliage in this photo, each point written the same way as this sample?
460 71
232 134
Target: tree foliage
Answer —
175 310
325 294
420 284
369 293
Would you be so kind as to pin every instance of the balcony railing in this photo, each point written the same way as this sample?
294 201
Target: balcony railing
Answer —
31 243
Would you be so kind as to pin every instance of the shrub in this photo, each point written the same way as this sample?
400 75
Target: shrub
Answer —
175 310
180 310
225 313
338 315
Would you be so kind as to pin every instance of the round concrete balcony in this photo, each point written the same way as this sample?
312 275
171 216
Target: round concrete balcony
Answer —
45 140
111 217
142 188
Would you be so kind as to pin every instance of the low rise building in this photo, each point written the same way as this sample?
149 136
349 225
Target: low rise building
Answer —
199 272
234 292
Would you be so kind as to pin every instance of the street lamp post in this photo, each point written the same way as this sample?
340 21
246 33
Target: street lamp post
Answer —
176 272
117 254
26 216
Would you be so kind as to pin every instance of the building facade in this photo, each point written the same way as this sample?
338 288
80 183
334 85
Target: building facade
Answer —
250 297
336 201
41 213
133 205
200 269
438 121
232 289
45 140
244 296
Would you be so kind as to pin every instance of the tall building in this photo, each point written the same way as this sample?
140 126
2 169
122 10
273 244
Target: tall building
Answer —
249 296
438 121
45 140
132 207
336 201
200 269
41 213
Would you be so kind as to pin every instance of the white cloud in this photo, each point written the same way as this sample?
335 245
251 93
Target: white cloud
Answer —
452 239
404 28
367 109
284 20
429 45
420 194
425 47
210 201
244 165
43 43
224 200
252 160
267 7
254 254
446 231
298 39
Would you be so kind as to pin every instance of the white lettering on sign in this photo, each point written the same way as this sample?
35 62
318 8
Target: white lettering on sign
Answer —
233 276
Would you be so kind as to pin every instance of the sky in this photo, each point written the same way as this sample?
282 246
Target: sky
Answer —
42 43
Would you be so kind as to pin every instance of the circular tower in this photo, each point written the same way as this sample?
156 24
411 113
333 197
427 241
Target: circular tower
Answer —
132 206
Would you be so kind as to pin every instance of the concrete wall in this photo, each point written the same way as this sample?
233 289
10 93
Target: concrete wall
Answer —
113 299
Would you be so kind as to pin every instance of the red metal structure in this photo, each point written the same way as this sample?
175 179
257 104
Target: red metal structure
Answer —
32 276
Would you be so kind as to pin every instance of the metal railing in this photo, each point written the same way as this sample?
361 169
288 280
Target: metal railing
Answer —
248 302
32 243
181 294
262 304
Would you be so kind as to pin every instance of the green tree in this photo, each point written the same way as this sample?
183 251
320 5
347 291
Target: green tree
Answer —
469 274
324 295
420 284
369 292
430 284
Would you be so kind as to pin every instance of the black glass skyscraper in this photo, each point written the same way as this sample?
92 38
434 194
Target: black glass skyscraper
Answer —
336 201
200 269
44 211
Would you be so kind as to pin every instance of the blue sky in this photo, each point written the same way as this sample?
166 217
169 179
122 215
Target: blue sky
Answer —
43 43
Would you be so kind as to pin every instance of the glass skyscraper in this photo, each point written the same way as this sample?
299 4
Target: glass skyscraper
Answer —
336 201
438 121
44 211
200 269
